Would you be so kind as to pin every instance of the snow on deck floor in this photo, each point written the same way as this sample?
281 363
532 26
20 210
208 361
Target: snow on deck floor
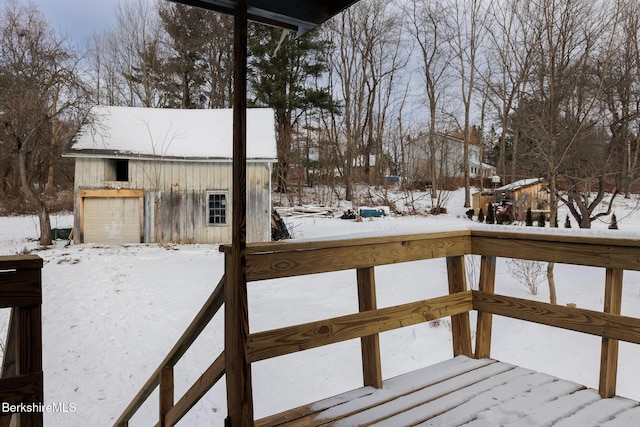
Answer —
466 392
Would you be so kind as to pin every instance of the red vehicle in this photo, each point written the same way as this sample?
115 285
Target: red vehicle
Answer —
504 212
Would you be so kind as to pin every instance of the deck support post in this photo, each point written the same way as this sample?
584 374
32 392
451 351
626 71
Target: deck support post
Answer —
460 325
609 353
485 320
28 335
166 393
237 364
371 365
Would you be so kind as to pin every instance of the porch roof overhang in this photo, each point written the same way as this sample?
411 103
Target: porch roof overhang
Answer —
296 15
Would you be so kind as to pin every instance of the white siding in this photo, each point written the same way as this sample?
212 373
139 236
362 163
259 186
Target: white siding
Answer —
182 186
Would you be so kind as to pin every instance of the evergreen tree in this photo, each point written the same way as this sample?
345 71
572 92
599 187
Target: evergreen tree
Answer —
491 216
614 223
480 215
554 222
567 222
186 69
528 218
542 221
283 74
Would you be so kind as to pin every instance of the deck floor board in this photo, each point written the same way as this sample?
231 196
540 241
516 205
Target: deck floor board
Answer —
465 392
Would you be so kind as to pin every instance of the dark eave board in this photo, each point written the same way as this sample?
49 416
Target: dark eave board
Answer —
297 15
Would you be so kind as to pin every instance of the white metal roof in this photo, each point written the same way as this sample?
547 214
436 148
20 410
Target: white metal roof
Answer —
173 134
519 184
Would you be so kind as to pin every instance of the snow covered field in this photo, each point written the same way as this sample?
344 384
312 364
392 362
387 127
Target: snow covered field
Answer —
111 313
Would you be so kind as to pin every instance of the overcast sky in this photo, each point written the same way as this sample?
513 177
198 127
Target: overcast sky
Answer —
78 19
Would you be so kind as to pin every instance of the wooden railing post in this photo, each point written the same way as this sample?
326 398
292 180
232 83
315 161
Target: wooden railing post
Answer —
166 394
371 366
237 364
609 353
21 280
460 326
484 324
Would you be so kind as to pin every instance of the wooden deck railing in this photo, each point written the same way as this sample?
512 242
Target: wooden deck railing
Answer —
21 379
171 413
288 259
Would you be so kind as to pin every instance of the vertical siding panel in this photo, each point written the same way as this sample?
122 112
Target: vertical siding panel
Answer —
183 208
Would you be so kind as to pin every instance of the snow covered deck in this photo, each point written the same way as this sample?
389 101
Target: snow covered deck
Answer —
470 388
466 392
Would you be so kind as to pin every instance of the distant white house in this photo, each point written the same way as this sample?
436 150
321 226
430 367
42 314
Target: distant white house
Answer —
449 158
165 175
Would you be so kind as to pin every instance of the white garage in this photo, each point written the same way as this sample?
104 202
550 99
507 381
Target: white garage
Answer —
147 175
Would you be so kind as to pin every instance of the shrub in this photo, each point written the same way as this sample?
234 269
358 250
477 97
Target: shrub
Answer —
542 221
491 216
528 220
530 273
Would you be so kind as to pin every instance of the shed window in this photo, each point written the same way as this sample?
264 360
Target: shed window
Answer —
117 170
122 170
217 208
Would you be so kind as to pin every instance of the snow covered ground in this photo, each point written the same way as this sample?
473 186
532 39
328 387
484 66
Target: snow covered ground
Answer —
111 313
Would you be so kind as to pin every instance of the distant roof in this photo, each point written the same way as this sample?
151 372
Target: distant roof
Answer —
519 184
297 15
173 134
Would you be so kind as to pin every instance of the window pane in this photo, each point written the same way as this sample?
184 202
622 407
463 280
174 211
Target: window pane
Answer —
217 209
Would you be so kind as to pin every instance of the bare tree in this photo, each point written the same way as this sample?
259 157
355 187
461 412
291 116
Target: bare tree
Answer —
42 102
136 54
619 69
428 22
367 59
468 28
557 113
510 56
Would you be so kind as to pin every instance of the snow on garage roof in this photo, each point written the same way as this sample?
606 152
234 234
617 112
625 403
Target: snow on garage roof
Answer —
172 134
519 184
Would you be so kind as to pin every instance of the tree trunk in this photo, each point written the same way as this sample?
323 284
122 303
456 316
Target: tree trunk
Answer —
46 237
552 283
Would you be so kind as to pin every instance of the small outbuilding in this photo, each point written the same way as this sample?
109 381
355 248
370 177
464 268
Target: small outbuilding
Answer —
165 175
523 194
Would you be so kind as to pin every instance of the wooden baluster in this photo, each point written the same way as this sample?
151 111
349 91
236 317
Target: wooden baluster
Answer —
484 324
371 366
166 393
609 354
29 351
460 326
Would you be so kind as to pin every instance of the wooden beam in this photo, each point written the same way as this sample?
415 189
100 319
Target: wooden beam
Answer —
26 388
237 365
110 193
20 288
370 344
351 254
485 321
605 325
166 394
609 353
20 262
29 355
460 325
278 342
208 379
608 253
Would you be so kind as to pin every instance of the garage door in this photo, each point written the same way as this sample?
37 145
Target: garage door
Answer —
112 220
